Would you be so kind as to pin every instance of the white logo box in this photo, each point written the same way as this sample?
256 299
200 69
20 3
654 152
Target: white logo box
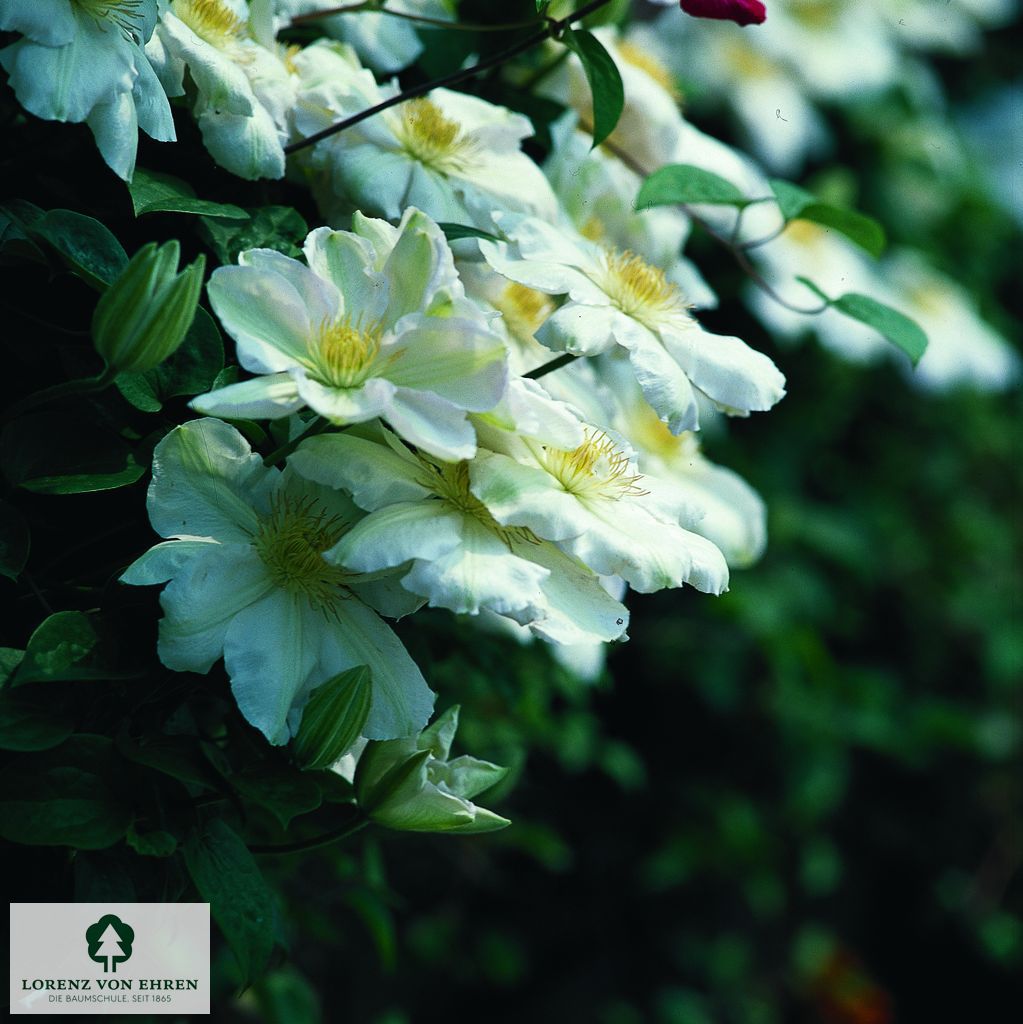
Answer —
110 958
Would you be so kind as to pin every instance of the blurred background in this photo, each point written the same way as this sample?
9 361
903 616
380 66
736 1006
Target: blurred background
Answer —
799 801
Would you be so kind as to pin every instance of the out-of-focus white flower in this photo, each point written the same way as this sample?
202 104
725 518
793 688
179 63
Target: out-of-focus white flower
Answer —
82 60
962 350
454 156
382 42
245 91
248 581
423 514
951 28
376 325
617 299
595 505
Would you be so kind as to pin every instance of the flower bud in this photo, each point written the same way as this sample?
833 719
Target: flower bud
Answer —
333 719
410 785
143 317
743 12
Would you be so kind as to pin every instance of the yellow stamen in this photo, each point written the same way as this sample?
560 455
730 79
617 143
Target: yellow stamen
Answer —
524 309
593 229
638 289
639 58
342 353
596 469
291 541
432 138
211 20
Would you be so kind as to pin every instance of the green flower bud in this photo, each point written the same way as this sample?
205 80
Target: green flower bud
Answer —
333 719
143 317
410 785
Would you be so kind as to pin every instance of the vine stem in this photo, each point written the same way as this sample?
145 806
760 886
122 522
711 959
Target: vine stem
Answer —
553 29
554 364
316 842
79 386
317 426
737 249
373 7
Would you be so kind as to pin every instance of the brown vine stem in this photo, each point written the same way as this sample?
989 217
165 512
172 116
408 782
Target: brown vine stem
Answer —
421 19
737 249
553 29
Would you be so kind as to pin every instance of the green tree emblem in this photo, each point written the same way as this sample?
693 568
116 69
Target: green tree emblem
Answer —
109 942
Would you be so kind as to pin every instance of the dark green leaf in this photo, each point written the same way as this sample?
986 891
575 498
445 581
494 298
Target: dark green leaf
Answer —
16 219
84 244
605 81
271 227
151 844
58 644
103 877
285 997
898 328
809 284
192 370
55 453
14 541
180 757
227 877
281 789
153 192
452 232
676 184
10 659
67 796
796 203
31 725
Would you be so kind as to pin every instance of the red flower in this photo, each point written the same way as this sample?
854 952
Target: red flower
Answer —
745 12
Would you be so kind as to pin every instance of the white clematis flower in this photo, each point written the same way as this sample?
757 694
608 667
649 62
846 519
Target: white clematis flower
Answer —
245 90
247 582
452 155
82 60
376 325
382 42
617 299
595 505
423 514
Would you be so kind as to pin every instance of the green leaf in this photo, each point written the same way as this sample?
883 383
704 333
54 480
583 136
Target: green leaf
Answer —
84 244
676 184
16 219
154 192
151 844
192 370
272 227
180 757
805 281
31 725
896 327
452 232
283 791
227 877
59 453
67 796
333 718
10 659
796 203
14 541
55 648
604 78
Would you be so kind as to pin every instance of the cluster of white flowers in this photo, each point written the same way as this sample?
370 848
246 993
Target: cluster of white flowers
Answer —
432 456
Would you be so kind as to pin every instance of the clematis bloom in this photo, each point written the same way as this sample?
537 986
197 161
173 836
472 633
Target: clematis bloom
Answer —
742 12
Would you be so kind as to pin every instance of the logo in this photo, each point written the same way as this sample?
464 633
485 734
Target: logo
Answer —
109 942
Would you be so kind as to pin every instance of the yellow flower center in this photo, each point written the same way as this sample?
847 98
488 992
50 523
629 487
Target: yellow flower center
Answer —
524 309
647 62
815 14
596 469
342 353
432 138
126 15
593 229
651 434
640 290
291 541
211 20
804 233
740 56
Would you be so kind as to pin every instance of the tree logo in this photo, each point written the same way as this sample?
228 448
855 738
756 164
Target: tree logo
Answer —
109 942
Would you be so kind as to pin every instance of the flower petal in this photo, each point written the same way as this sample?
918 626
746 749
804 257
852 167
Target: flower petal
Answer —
268 398
433 424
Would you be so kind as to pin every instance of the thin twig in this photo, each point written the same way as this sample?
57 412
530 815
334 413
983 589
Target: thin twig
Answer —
316 842
554 364
551 31
422 19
